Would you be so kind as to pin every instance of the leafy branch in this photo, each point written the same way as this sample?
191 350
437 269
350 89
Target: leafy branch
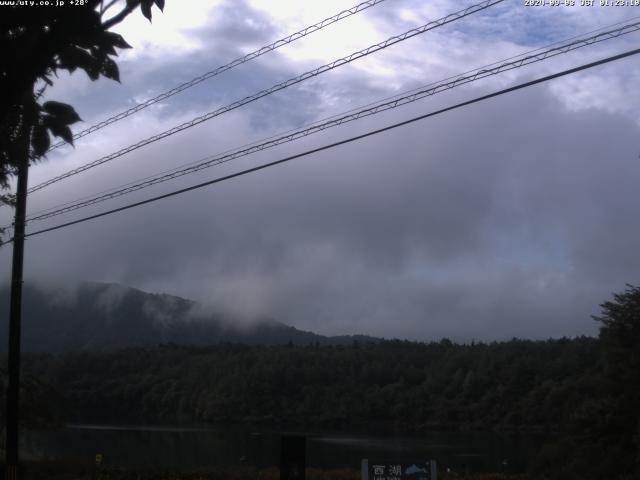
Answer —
35 45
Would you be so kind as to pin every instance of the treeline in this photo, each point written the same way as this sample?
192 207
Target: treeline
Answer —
517 384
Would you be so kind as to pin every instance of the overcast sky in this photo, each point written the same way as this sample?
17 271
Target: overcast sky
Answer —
514 217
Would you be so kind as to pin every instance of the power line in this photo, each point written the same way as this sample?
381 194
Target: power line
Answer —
562 46
559 42
374 109
280 86
343 142
217 71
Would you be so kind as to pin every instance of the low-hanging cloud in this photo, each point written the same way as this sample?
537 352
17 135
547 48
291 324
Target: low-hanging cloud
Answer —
514 217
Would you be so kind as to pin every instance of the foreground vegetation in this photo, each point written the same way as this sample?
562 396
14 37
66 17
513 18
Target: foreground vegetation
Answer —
67 471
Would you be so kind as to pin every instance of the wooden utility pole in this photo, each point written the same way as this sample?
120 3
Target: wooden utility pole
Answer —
15 307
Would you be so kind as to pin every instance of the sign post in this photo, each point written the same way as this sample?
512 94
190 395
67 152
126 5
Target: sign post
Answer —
97 466
293 450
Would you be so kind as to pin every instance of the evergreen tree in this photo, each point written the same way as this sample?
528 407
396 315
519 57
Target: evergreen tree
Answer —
620 337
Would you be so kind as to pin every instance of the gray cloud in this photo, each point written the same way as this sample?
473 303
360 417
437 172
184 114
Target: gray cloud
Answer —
510 218
473 228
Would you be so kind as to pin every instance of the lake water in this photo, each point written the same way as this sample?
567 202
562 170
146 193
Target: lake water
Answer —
191 448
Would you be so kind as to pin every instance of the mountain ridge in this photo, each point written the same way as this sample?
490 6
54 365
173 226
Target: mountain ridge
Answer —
107 316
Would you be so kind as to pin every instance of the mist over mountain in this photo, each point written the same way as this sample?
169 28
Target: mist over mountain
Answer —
99 316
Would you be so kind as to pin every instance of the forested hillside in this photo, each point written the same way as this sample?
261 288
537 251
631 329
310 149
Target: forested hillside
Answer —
517 384
584 391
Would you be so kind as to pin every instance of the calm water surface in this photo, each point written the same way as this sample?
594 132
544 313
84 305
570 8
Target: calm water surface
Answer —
190 448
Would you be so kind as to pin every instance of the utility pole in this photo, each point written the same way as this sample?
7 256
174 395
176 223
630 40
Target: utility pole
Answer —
15 307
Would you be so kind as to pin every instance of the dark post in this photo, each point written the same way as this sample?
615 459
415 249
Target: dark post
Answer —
15 308
293 451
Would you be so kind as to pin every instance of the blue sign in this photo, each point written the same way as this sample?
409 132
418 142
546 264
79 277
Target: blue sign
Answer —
386 470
